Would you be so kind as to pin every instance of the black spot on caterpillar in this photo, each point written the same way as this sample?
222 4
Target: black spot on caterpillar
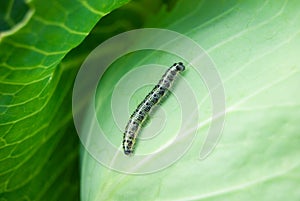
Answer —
139 115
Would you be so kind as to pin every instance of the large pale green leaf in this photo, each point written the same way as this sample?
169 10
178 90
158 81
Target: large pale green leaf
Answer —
255 46
38 144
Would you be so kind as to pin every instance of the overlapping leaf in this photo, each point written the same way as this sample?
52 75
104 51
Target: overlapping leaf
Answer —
38 145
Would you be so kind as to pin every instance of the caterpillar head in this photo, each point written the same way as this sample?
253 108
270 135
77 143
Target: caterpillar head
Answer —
179 66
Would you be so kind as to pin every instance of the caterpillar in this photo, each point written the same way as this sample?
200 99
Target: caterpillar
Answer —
139 115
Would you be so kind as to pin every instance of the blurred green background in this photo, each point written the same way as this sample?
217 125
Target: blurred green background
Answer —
255 45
